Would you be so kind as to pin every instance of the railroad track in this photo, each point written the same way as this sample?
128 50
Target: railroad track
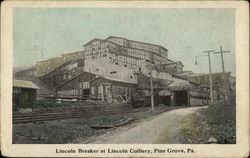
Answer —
35 118
42 117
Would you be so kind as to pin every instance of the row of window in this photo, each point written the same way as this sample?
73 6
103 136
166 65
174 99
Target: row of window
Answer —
96 45
138 53
131 52
84 85
144 46
137 45
122 42
119 41
125 61
88 53
69 92
99 89
145 55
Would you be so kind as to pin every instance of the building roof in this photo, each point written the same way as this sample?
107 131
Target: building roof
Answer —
180 63
24 84
179 77
62 55
206 74
95 39
185 74
15 70
113 79
80 51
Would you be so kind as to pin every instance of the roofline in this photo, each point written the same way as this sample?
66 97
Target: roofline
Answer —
28 69
92 40
26 87
206 74
73 52
36 87
71 79
181 63
94 79
48 59
104 77
179 77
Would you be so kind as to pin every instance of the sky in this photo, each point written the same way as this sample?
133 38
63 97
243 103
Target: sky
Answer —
186 33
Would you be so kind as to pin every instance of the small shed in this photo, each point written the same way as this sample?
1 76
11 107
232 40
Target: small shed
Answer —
24 94
111 89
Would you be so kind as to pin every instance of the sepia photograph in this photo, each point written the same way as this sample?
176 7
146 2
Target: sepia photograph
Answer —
110 75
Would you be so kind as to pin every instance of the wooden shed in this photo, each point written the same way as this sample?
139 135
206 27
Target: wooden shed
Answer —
76 87
111 89
24 94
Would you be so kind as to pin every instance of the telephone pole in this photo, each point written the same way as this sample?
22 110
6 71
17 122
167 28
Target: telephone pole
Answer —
224 74
210 72
152 91
151 66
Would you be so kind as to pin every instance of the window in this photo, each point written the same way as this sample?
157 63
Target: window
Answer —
99 89
92 90
85 85
106 89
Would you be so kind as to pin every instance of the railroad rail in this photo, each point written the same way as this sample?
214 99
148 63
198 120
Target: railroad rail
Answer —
42 117
35 118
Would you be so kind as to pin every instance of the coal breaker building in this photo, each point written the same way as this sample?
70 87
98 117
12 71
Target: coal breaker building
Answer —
119 70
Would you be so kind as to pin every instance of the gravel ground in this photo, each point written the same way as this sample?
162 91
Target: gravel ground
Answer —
71 130
161 129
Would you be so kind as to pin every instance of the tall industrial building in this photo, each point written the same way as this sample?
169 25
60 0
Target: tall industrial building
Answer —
121 58
117 69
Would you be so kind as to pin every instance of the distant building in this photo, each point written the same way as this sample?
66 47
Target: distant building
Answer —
62 73
24 94
203 78
46 66
29 72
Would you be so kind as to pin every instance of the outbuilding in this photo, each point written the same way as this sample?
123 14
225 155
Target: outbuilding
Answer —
24 94
111 89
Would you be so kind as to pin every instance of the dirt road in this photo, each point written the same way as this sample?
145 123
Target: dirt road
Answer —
164 128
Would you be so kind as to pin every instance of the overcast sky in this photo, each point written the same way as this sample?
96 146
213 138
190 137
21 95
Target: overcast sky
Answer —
184 32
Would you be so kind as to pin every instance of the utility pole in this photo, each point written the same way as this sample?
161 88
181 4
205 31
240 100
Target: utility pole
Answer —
210 72
152 90
224 74
210 75
151 82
